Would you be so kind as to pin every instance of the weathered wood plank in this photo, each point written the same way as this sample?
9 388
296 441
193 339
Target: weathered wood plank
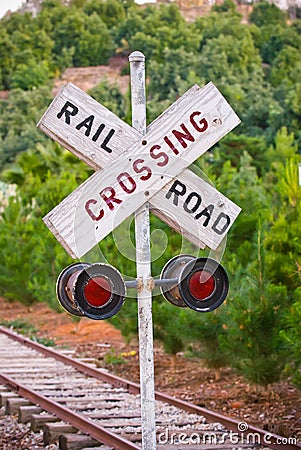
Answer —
97 448
189 203
38 421
80 407
77 131
226 446
75 138
185 131
50 372
52 431
105 415
87 401
3 388
25 413
69 441
12 405
5 396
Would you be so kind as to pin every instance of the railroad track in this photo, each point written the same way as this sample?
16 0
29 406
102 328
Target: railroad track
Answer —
79 406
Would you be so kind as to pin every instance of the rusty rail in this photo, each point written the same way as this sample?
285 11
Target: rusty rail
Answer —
81 423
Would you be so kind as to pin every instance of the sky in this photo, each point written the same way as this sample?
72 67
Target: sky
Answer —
5 5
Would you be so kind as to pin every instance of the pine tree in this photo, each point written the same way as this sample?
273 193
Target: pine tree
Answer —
255 315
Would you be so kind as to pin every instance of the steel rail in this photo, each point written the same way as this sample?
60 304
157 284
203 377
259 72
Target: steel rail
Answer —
116 381
80 422
134 388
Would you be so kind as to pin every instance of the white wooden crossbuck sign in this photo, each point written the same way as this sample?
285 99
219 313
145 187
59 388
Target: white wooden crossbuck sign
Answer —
136 169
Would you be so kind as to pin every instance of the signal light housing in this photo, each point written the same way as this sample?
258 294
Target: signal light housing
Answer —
96 291
202 283
172 269
65 287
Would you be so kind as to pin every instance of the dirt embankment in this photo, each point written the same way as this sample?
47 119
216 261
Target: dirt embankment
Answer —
62 328
88 77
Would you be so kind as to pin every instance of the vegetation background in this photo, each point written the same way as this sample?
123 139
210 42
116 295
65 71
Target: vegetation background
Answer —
257 68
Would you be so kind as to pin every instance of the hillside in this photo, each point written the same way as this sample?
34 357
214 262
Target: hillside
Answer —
87 77
190 9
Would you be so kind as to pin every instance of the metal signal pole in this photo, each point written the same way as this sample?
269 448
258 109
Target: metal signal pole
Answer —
143 265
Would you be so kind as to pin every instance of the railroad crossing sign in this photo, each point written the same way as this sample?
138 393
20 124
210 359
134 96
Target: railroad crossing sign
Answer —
137 168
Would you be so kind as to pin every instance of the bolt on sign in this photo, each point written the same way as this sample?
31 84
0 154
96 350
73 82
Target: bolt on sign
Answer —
132 169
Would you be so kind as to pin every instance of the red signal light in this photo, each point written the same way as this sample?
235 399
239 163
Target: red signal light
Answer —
201 285
98 291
